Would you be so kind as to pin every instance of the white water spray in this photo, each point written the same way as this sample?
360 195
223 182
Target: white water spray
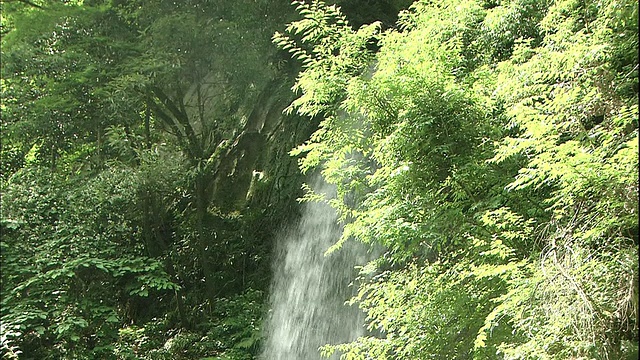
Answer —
309 290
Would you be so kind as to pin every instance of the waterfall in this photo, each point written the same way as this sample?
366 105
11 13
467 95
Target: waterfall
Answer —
309 289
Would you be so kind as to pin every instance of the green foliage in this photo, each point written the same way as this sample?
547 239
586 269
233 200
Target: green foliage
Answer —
337 50
233 336
71 272
506 26
404 131
57 67
123 122
492 148
579 130
240 323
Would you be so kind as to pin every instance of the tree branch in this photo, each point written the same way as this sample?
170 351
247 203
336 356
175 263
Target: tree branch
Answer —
169 121
183 120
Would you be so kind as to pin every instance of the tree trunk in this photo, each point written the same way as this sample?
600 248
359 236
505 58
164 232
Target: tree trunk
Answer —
202 239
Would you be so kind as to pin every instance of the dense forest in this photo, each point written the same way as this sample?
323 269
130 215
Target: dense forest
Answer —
153 150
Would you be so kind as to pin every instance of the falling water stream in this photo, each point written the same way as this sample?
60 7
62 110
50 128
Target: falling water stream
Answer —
309 289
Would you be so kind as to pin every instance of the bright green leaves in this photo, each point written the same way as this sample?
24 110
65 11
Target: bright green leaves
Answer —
406 146
507 25
494 147
427 309
559 308
331 52
397 130
576 130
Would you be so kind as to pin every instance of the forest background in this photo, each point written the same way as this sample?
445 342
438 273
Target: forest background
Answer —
152 150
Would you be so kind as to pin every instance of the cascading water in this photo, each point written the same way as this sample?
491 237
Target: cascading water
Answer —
309 290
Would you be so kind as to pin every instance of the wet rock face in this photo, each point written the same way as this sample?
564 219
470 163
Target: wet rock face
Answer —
261 148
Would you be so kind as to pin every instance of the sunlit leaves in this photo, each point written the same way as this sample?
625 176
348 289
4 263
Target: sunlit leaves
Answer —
409 144
564 100
330 50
